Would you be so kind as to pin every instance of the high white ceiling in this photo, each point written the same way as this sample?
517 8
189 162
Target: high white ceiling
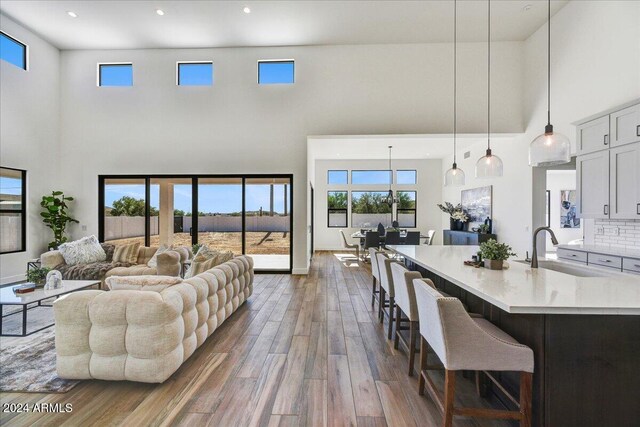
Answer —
376 147
132 24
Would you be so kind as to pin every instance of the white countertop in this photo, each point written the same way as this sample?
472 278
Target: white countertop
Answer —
603 250
521 289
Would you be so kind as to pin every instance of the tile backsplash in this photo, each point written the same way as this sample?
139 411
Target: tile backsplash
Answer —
617 233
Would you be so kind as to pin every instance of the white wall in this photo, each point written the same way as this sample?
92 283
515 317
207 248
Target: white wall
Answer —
237 126
558 180
429 175
29 135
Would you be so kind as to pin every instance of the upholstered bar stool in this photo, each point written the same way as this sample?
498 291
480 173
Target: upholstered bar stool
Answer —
375 272
405 299
465 343
386 306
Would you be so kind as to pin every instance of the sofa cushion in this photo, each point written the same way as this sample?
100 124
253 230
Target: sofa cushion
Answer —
131 270
84 251
153 262
206 259
108 250
93 271
142 283
126 253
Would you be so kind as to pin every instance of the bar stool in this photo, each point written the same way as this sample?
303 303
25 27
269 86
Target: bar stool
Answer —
405 299
386 287
465 343
375 272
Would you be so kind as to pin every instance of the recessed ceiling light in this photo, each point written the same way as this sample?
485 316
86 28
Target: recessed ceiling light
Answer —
72 14
527 7
246 9
160 12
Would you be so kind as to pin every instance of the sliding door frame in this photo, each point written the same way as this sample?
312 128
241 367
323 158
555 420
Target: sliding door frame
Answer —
194 205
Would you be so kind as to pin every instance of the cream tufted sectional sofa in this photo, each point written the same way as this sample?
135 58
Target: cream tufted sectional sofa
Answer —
145 335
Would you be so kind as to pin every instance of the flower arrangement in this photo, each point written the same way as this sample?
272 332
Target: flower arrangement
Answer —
460 216
449 208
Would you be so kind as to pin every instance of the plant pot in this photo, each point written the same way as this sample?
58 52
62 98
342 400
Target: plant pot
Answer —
493 264
456 225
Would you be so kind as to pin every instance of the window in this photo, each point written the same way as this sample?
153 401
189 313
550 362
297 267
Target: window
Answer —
337 209
371 177
406 209
276 72
406 177
195 74
13 211
115 74
13 51
337 177
368 208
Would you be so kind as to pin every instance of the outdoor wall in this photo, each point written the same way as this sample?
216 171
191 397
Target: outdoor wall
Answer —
236 126
29 136
428 187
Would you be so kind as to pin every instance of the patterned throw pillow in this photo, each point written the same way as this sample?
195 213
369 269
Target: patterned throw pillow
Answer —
84 251
141 283
206 259
108 249
153 262
126 253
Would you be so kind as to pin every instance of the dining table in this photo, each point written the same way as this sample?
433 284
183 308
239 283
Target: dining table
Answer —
403 235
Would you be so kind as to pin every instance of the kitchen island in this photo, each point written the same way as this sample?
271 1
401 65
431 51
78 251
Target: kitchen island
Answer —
584 332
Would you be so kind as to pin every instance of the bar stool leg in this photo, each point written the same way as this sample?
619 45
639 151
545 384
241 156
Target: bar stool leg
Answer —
424 352
449 396
373 293
412 345
383 296
396 340
525 398
392 305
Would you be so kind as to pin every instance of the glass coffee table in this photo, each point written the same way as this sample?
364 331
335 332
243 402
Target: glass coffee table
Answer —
8 297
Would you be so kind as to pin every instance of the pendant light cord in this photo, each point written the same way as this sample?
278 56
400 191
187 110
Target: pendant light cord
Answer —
489 75
455 77
548 62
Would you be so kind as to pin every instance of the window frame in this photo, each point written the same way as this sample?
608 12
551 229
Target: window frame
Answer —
408 210
178 63
22 211
25 53
338 210
385 192
278 61
415 173
390 171
346 171
110 64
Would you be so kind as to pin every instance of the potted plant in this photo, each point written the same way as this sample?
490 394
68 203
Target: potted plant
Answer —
484 228
37 275
55 216
494 254
457 216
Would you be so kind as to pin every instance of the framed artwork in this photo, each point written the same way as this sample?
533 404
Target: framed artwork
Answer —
548 210
568 216
477 203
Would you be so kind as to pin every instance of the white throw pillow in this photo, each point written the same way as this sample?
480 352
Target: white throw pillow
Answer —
84 251
153 262
141 283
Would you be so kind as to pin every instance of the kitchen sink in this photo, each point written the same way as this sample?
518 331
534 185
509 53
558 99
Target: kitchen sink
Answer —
573 270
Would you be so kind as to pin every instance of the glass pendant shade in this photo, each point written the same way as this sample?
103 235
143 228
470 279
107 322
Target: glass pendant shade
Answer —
454 177
489 166
549 149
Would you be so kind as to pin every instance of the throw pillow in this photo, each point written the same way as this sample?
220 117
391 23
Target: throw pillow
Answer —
84 251
126 253
206 259
142 283
108 249
153 262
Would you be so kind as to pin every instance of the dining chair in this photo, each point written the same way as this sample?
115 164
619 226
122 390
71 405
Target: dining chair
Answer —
375 272
429 239
413 238
371 240
386 306
462 342
381 229
392 238
347 245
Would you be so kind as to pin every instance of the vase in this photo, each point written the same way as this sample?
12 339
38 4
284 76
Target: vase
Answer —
456 225
493 264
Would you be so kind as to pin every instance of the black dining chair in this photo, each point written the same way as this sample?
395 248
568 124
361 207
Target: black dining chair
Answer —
413 238
371 240
392 238
381 229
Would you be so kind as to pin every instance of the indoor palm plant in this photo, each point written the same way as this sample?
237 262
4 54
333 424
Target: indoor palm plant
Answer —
54 215
494 254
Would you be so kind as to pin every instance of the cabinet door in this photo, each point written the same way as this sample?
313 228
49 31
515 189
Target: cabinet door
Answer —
625 126
592 171
625 181
593 136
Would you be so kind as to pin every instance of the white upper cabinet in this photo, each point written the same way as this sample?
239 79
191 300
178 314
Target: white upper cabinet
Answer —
592 173
625 126
625 181
593 136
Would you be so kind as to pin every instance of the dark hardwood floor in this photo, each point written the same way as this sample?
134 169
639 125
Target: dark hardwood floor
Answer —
304 350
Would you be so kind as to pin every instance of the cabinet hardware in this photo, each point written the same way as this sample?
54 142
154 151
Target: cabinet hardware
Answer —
574 255
606 209
637 265
606 140
604 260
638 208
638 130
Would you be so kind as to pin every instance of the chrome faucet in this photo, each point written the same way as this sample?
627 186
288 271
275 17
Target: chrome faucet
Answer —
534 255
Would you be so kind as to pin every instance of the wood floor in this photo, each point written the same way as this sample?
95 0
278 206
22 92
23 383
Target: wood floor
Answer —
304 350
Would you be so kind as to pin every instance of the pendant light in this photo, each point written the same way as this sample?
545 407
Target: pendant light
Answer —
550 148
454 177
390 200
489 165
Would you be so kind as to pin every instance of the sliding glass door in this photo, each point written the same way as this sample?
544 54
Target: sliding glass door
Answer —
248 214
